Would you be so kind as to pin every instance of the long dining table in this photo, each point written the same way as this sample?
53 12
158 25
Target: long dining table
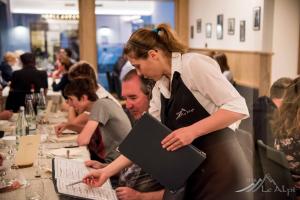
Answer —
48 144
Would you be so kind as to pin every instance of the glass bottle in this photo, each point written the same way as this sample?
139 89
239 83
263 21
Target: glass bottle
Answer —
21 125
41 106
30 115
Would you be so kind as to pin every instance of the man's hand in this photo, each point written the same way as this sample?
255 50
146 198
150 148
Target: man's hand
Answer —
126 193
94 164
6 114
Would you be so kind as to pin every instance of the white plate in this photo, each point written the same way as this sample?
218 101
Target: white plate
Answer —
9 138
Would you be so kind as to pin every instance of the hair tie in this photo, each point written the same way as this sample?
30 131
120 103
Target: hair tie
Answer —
155 30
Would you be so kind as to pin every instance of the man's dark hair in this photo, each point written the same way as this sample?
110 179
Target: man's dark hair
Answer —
146 84
278 88
79 87
28 59
68 52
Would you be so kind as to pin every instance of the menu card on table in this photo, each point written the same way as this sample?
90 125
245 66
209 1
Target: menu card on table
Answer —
67 171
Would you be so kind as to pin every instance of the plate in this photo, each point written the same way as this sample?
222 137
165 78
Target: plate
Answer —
6 186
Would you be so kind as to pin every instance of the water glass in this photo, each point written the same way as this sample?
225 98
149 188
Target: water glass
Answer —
277 144
34 189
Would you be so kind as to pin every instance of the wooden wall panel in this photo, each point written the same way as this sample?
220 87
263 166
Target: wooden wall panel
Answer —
87 32
181 19
251 69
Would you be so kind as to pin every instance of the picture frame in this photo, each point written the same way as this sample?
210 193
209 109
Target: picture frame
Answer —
242 31
231 26
192 32
199 25
208 30
256 18
219 27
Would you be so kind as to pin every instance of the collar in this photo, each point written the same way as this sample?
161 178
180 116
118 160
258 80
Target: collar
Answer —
163 83
176 63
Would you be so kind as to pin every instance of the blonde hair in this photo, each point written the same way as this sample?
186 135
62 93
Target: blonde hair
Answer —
287 118
10 57
144 39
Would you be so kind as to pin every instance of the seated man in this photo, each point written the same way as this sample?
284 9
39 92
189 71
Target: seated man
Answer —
107 126
134 183
76 121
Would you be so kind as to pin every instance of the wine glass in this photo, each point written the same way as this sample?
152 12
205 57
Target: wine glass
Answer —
276 144
34 189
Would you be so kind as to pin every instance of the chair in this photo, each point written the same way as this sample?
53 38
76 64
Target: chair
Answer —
276 173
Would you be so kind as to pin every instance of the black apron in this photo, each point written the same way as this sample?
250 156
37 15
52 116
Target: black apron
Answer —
226 169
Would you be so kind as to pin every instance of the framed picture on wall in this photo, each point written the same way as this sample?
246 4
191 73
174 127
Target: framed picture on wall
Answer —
219 27
256 18
231 26
199 25
192 32
242 31
208 30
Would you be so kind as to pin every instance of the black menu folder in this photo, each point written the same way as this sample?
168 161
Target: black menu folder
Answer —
143 147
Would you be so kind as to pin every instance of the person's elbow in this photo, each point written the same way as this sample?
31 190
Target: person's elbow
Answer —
81 141
238 116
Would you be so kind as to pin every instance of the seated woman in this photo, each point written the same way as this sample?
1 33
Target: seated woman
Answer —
66 63
107 126
76 121
286 130
9 60
5 114
222 61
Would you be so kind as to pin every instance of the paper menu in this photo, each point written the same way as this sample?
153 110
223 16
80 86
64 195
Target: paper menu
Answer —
68 171
82 190
63 138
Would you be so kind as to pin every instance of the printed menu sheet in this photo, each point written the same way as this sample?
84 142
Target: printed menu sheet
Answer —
69 171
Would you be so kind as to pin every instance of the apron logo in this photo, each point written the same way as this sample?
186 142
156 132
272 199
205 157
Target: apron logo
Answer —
183 112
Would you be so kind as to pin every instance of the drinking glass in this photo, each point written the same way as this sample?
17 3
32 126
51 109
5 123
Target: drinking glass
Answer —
276 144
34 189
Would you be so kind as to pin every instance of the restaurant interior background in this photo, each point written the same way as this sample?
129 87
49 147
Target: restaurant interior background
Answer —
260 38
46 26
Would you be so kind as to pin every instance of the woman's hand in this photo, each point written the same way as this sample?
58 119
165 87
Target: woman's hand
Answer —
95 178
60 128
177 139
94 164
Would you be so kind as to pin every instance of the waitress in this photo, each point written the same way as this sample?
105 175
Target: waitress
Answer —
194 99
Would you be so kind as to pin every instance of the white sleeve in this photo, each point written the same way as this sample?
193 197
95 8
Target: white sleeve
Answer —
155 103
207 78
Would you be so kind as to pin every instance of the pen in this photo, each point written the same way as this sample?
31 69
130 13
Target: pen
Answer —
74 183
68 154
75 146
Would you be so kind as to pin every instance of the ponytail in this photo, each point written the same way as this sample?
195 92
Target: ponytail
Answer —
162 37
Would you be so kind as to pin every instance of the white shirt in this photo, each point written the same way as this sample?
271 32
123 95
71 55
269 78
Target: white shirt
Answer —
203 77
125 69
102 93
